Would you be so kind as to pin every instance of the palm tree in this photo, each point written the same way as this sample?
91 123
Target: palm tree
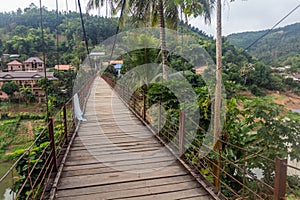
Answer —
157 12
218 89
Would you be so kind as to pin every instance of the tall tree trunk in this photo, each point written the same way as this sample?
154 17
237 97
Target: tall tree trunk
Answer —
218 90
217 107
163 38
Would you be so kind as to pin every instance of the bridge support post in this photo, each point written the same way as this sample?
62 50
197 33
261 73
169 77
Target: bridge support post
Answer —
52 143
181 131
159 119
65 124
280 179
144 105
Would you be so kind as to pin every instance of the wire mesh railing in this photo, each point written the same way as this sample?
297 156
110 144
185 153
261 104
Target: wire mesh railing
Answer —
232 177
33 171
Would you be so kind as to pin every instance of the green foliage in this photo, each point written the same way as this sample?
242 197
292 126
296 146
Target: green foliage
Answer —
293 188
27 95
8 132
256 91
21 33
41 147
23 168
58 91
10 88
260 127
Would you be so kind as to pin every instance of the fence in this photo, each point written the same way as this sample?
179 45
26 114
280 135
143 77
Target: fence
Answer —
228 177
32 174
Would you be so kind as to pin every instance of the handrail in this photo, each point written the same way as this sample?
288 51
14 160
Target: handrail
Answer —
41 160
212 166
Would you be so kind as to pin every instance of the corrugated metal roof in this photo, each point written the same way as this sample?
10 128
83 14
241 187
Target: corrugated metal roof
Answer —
15 62
26 75
32 59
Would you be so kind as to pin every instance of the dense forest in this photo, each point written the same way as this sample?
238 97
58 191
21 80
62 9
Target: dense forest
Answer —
20 33
279 47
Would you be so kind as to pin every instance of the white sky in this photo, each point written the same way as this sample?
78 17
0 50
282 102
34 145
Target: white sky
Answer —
238 16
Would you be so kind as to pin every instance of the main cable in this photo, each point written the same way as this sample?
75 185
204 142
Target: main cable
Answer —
118 28
84 34
282 19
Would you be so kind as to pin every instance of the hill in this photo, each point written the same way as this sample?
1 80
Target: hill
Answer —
275 48
20 33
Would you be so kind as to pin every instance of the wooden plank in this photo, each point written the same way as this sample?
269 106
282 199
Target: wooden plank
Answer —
78 154
99 144
105 169
197 197
125 146
124 162
115 177
195 192
145 192
138 157
125 186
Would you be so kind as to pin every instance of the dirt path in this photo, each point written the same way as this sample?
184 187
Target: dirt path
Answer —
289 100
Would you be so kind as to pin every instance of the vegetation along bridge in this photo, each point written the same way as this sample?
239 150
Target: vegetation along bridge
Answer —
114 152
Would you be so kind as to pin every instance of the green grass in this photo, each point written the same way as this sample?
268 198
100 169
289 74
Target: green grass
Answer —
8 132
15 134
4 166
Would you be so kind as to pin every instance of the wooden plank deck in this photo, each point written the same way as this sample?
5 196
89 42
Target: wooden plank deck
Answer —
114 156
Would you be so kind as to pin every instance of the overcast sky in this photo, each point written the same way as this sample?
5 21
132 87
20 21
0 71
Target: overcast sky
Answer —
238 16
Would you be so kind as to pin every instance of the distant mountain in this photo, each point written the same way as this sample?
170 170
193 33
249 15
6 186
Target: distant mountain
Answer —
275 47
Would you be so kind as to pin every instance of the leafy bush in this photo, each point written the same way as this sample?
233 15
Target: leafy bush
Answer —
256 91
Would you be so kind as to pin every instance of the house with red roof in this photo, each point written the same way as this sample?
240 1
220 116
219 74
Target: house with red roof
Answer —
15 66
64 67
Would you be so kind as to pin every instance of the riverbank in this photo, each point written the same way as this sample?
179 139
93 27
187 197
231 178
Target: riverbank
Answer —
289 100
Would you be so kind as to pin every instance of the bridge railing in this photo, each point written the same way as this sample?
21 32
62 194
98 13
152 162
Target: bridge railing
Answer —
228 176
32 174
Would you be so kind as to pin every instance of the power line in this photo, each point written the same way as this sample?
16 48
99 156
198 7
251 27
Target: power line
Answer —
282 19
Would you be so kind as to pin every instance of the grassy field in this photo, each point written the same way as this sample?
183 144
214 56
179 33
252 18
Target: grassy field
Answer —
18 124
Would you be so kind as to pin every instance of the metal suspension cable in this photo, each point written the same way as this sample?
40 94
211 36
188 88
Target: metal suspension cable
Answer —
57 35
269 31
84 34
118 28
44 58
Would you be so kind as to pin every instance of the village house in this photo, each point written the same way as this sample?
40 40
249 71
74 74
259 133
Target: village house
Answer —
25 79
64 68
14 66
26 75
33 64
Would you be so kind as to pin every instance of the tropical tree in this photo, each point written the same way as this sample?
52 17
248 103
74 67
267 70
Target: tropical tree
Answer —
27 94
10 88
157 12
